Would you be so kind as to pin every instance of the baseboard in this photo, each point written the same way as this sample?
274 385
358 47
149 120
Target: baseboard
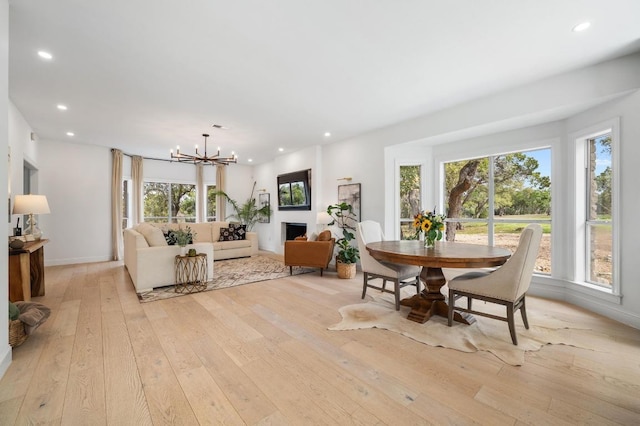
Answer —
606 304
73 261
5 360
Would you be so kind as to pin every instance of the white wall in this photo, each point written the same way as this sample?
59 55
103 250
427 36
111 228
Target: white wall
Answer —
5 349
270 234
77 182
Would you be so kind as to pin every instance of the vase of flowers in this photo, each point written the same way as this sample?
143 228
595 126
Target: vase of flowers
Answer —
431 225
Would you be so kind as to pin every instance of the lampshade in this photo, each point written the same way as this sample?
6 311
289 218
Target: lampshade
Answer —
323 218
31 204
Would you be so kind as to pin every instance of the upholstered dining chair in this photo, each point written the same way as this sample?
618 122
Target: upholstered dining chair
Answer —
506 286
367 232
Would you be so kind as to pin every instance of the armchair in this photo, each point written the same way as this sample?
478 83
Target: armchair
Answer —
506 286
315 254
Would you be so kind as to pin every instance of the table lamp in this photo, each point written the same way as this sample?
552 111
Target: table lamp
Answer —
31 204
323 219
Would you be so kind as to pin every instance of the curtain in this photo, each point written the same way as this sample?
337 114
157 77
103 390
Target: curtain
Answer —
136 176
116 204
221 201
201 191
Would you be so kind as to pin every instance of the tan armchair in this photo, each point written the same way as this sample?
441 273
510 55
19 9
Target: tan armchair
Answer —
314 254
506 286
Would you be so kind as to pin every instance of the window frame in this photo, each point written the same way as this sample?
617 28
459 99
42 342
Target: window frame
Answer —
580 204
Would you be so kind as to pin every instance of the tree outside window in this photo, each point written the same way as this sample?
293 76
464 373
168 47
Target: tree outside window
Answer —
599 226
169 202
491 199
410 199
211 203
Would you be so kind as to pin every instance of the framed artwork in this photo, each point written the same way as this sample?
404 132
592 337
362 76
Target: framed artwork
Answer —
264 199
350 194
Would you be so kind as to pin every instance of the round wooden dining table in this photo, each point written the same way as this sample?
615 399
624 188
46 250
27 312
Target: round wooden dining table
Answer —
443 255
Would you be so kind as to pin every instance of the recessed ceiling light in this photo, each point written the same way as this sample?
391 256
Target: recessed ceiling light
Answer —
70 134
581 27
250 160
62 107
45 55
327 134
280 149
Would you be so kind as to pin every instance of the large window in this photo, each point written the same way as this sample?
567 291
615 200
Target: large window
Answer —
490 200
410 202
598 226
169 202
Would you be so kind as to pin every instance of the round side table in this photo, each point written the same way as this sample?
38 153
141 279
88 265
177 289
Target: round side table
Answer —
191 273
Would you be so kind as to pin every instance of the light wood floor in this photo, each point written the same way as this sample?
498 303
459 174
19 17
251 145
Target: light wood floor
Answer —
262 354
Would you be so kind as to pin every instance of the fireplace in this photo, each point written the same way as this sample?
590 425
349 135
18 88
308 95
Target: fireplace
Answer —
293 230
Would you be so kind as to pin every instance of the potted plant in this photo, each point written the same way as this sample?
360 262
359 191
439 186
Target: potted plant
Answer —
347 256
183 237
247 213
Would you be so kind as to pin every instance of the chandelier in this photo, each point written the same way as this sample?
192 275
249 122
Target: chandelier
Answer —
204 158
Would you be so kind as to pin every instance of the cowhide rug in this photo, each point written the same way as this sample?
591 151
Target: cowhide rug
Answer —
484 335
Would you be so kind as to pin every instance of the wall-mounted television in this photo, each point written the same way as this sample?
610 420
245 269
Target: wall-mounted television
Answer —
294 190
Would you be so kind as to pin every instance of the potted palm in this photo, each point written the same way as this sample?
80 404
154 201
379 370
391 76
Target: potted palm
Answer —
347 255
247 213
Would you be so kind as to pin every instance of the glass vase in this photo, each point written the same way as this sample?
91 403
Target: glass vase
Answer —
429 242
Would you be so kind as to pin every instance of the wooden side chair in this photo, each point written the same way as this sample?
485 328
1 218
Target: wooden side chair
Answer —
401 275
506 286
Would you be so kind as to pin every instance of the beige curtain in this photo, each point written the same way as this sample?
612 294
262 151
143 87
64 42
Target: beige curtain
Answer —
137 177
201 191
221 202
116 204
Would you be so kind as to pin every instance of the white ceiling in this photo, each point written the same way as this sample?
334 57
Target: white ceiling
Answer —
145 75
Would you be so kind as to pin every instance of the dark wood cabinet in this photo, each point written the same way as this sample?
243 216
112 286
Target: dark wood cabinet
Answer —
26 271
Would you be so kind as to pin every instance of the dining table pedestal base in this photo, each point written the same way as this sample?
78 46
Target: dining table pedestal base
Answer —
431 301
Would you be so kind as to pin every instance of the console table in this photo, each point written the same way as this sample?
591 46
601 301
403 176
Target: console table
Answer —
26 271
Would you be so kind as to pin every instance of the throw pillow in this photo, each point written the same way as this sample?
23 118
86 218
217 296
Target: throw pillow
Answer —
239 231
153 235
325 235
303 238
226 234
170 237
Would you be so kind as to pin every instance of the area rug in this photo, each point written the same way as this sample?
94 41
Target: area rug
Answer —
233 272
484 335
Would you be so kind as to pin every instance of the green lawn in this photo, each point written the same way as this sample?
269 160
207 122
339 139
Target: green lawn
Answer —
505 228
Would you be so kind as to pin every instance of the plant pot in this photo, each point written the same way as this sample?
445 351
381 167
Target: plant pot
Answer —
346 270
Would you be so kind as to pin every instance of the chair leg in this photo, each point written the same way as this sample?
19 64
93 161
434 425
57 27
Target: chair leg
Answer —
512 325
364 285
523 311
452 302
384 284
290 270
396 287
321 269
418 284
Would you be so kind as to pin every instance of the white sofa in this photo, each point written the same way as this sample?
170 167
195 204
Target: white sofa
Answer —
150 260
